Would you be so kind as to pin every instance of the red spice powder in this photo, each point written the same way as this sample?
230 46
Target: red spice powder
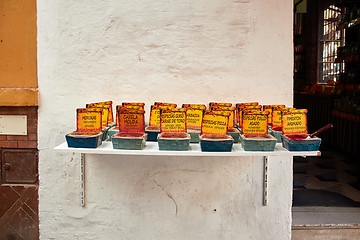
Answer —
173 135
129 135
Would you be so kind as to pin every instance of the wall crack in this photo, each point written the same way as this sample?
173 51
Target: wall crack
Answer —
169 196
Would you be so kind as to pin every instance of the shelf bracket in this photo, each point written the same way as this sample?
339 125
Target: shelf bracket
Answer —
265 186
82 179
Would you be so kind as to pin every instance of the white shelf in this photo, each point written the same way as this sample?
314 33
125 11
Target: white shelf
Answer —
152 149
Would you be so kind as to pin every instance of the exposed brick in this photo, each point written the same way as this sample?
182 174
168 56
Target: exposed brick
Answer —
8 144
17 138
32 136
2 138
32 122
32 129
27 144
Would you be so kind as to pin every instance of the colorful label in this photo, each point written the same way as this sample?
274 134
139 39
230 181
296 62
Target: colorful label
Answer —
276 121
169 105
197 106
194 117
226 111
246 104
89 120
239 112
213 104
134 105
214 124
173 120
107 104
268 111
155 116
105 114
131 121
294 122
255 123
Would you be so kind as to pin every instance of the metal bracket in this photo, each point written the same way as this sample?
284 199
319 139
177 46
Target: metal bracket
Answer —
265 189
82 179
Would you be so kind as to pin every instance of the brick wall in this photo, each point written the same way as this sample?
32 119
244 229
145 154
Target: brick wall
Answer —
28 141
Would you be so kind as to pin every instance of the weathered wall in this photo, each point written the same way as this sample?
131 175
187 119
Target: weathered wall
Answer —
174 51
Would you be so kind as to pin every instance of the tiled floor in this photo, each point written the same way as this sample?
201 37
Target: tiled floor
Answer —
329 180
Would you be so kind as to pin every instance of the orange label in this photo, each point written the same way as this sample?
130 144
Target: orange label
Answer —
230 113
89 120
173 120
169 105
269 113
239 112
214 124
246 104
213 104
134 105
197 106
194 117
155 116
131 121
107 104
105 114
294 122
276 121
255 123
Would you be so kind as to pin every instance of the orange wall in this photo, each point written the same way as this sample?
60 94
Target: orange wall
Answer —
18 67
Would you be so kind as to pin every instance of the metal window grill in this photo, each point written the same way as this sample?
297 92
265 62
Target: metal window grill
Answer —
330 40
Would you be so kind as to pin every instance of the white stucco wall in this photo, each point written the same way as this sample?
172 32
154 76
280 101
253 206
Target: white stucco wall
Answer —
174 51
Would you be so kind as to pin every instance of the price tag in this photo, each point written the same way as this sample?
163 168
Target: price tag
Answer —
119 107
214 124
105 114
197 106
134 105
155 116
194 117
226 111
131 121
276 121
239 112
215 104
246 104
173 120
255 123
107 104
295 122
169 105
88 120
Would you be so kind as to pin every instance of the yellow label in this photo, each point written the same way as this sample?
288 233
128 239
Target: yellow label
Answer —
294 123
213 104
276 118
105 115
173 121
229 113
197 106
269 113
246 104
255 123
169 105
240 110
194 118
155 116
134 105
214 124
89 121
104 105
